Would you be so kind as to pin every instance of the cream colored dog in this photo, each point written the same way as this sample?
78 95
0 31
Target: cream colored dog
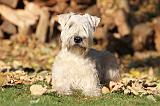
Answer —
77 66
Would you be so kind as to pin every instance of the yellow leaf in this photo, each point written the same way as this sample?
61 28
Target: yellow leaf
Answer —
135 73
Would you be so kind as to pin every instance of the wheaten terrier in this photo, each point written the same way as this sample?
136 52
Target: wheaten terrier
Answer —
77 66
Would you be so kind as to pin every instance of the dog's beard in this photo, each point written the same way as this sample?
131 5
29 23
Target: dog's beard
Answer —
77 49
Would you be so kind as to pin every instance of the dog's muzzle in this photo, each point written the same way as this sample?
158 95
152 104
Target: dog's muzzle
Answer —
78 39
77 45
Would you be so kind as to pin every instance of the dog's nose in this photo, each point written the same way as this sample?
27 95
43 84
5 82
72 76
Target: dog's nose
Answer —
77 39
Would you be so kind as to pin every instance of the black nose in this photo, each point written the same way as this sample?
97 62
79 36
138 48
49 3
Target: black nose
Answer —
77 39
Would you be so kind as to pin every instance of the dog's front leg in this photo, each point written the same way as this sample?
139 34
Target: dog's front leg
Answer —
61 86
90 86
60 82
92 91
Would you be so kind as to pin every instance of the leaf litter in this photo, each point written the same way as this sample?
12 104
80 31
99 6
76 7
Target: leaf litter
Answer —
30 62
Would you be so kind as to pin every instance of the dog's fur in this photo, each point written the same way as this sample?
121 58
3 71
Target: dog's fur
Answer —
77 66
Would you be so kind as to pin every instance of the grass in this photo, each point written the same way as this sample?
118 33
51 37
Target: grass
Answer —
20 96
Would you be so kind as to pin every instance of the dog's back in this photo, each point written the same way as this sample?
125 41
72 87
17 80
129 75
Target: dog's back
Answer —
106 65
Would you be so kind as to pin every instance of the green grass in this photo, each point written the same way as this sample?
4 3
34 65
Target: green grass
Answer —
20 96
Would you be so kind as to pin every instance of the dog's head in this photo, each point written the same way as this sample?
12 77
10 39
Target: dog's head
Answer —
76 35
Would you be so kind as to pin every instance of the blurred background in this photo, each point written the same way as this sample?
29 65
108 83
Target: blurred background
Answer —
29 32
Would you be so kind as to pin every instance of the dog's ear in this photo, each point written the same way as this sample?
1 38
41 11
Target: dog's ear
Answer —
94 21
63 18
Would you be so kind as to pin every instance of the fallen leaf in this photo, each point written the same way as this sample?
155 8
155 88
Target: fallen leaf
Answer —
37 89
133 90
3 79
115 86
127 91
112 84
135 73
105 90
48 79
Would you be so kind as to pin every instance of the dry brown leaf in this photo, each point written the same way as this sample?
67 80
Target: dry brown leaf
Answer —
3 79
37 89
112 84
133 90
138 87
115 86
105 90
127 91
48 79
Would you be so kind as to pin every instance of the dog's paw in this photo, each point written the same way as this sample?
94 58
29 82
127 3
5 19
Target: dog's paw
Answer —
93 93
64 92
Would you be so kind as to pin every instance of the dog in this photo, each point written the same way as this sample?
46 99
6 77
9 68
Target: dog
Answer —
77 66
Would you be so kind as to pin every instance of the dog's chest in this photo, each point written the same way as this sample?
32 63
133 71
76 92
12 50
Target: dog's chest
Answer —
74 64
